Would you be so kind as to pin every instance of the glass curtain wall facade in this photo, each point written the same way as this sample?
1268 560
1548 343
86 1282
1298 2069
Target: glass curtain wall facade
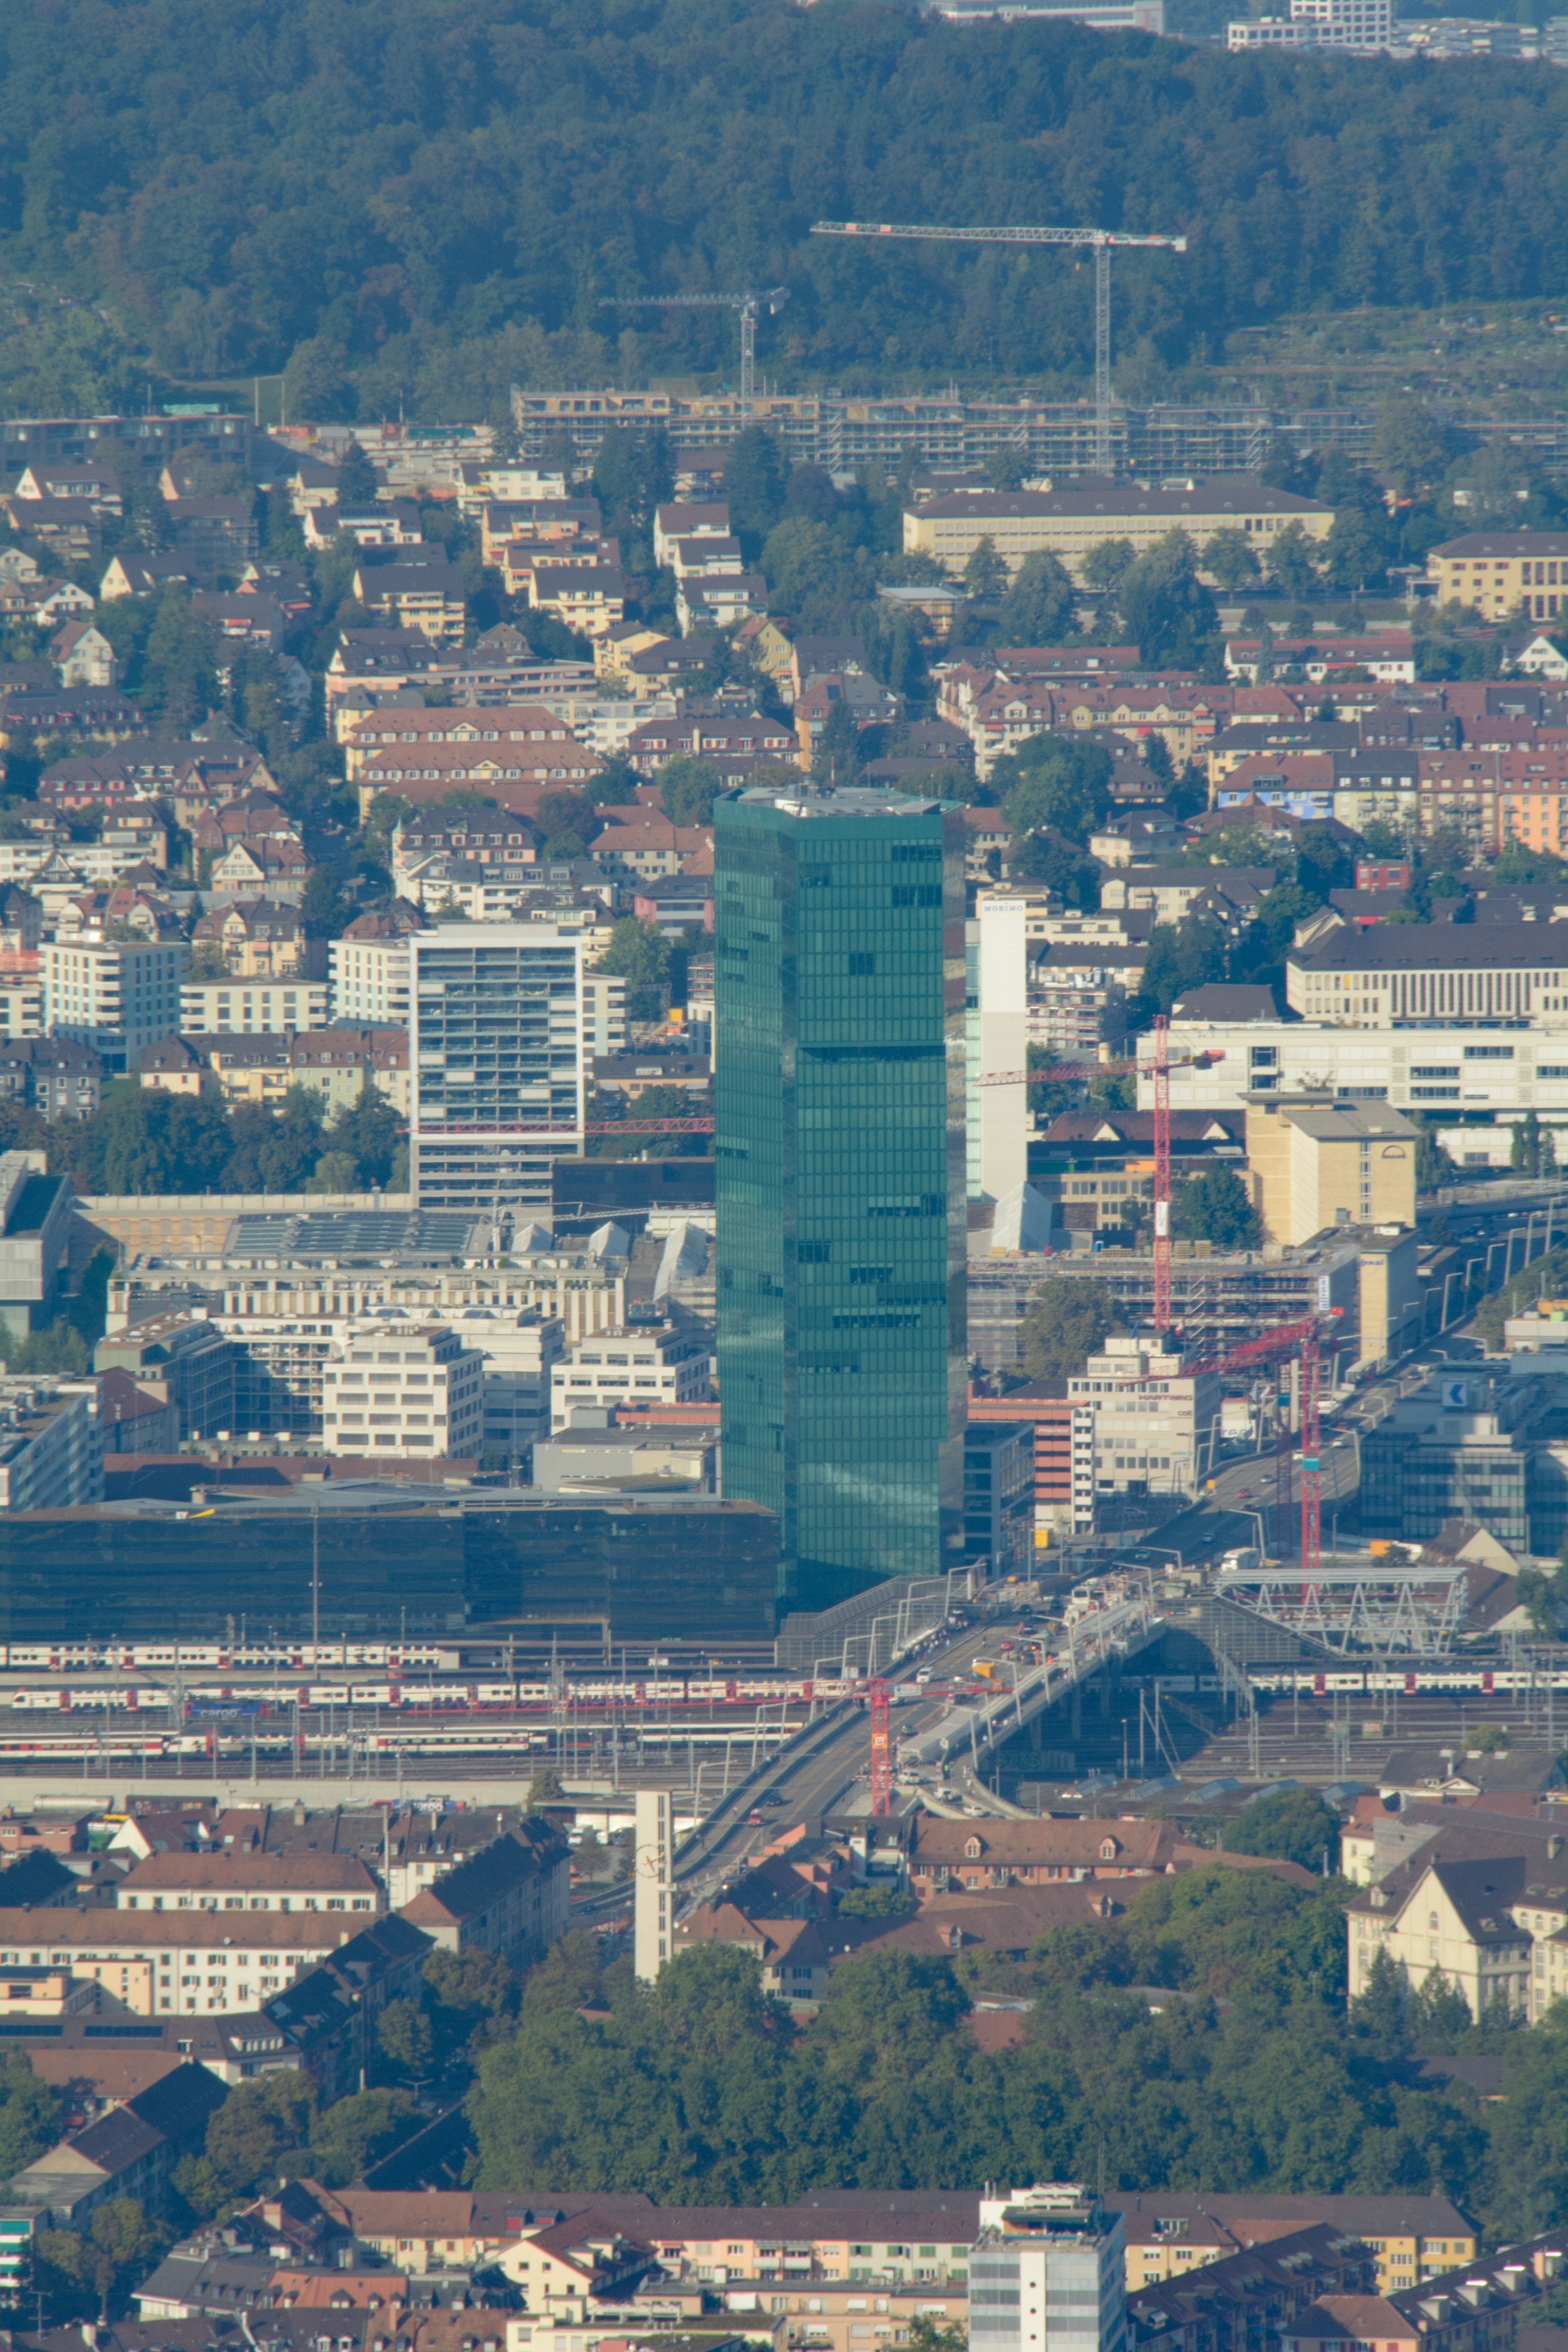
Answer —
840 1110
495 1075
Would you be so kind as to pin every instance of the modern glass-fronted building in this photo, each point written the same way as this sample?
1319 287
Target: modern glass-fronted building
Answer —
496 1062
838 1097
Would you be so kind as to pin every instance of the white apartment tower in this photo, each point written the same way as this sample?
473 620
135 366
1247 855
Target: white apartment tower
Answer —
367 980
497 1069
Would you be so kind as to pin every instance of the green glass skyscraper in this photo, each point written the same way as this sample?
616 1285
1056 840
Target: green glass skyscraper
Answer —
839 1082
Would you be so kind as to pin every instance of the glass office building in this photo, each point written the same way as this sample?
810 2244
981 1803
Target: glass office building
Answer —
496 1062
839 1093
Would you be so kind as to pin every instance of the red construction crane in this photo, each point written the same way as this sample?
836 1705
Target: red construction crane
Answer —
1302 1342
1162 1175
881 1749
1162 1063
650 1127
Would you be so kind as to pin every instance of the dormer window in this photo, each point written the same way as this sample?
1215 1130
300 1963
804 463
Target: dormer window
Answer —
973 1849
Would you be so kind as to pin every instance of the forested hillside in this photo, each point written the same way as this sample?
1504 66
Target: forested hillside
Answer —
423 199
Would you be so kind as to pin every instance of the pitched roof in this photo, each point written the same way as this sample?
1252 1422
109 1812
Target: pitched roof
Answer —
1222 1000
1133 1845
476 1881
226 1868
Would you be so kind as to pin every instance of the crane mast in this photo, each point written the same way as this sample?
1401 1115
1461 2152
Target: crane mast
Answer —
1100 240
750 307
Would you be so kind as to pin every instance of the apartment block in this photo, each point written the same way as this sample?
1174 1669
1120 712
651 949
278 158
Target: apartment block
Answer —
116 999
367 979
603 1014
233 1879
243 1007
1410 2238
496 1068
183 1963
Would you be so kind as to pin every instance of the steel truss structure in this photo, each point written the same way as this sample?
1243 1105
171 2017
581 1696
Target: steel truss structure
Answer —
1378 1605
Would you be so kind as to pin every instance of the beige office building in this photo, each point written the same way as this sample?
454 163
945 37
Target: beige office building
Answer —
1313 1163
1496 571
1069 524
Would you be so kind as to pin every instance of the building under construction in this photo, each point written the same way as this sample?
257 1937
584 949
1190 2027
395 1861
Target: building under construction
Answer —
1217 1299
948 430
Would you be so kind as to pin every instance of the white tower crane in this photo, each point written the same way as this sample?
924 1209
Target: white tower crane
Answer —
1102 240
750 307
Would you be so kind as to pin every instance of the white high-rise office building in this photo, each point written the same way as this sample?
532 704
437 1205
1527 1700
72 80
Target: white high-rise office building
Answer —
496 1066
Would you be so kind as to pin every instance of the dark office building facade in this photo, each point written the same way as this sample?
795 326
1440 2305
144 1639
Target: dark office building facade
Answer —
647 1569
840 1114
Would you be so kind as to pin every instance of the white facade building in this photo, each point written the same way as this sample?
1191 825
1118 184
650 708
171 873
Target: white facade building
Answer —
404 1392
1485 1079
21 1005
603 1014
629 1367
520 1347
211 1008
1317 24
998 960
1155 1427
51 1455
117 998
497 1070
1046 2273
653 1882
367 981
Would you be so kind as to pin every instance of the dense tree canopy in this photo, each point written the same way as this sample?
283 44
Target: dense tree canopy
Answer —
1065 1322
374 195
698 2089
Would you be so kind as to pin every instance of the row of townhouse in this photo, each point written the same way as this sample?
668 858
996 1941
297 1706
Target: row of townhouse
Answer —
336 1064
223 1942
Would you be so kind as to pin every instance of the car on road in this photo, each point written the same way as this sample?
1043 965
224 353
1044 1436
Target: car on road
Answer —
754 1818
773 1797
